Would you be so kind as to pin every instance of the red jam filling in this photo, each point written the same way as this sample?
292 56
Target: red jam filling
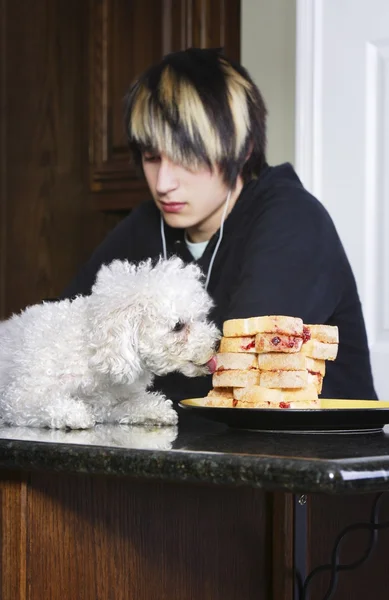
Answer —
306 334
284 405
249 346
291 342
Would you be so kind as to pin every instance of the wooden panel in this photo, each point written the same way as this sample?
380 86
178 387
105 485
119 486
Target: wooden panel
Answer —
105 539
328 515
13 537
282 555
3 163
46 225
125 39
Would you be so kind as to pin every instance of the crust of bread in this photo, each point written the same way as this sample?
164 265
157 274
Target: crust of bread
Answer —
270 342
329 334
237 344
274 361
265 324
284 379
235 378
235 360
320 350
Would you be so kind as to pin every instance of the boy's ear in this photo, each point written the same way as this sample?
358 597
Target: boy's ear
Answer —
250 150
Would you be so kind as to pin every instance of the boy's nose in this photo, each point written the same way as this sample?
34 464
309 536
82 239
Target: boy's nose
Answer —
167 177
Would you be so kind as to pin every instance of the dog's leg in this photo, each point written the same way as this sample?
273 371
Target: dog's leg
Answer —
143 408
57 410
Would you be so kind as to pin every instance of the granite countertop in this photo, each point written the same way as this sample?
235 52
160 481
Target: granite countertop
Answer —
199 451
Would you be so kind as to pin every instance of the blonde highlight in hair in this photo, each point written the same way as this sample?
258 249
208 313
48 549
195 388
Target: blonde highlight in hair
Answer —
195 108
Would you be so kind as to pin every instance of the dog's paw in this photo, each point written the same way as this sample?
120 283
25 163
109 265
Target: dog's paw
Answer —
72 414
167 417
150 409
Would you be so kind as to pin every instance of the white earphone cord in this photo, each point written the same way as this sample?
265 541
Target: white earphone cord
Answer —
163 238
219 241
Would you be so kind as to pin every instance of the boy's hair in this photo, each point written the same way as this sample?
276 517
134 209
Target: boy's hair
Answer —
199 108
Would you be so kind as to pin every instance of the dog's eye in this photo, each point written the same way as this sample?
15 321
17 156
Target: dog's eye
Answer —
179 326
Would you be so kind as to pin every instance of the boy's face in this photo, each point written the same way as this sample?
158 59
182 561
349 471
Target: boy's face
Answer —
191 200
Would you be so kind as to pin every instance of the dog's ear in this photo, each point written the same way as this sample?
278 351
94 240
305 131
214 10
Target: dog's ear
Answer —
113 323
114 345
114 354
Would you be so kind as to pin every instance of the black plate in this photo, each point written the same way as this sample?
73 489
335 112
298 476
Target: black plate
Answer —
263 419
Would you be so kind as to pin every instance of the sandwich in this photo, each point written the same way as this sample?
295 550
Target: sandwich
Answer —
272 361
237 344
260 397
323 344
222 397
235 378
268 324
235 360
277 342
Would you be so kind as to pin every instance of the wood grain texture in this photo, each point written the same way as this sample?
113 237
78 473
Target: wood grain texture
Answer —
13 537
328 516
3 156
282 555
125 39
116 539
47 226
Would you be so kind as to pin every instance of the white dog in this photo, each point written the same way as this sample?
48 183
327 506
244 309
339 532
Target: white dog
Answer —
71 364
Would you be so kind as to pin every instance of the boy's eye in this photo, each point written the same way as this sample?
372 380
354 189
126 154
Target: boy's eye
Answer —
151 157
179 326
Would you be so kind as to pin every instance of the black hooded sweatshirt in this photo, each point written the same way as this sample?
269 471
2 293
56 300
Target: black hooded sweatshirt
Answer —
280 255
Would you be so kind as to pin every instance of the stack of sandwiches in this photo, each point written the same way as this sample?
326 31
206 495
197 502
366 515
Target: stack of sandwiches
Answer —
272 362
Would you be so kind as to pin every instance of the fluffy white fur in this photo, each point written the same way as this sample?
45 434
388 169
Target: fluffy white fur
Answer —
71 364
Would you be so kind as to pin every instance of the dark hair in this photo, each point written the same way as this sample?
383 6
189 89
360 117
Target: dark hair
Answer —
199 108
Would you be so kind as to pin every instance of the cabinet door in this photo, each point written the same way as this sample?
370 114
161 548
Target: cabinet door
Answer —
126 37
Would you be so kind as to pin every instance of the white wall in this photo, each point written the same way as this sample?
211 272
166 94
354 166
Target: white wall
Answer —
268 42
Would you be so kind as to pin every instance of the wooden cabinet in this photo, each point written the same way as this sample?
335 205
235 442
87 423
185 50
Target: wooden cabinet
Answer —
126 37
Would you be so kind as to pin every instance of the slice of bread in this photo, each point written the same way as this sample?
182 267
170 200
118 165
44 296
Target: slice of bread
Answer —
259 397
235 360
273 361
315 365
226 392
320 350
317 380
256 395
266 324
329 334
221 401
270 342
283 379
235 378
238 344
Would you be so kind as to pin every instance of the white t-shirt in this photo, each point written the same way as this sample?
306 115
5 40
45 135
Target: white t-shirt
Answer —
196 248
